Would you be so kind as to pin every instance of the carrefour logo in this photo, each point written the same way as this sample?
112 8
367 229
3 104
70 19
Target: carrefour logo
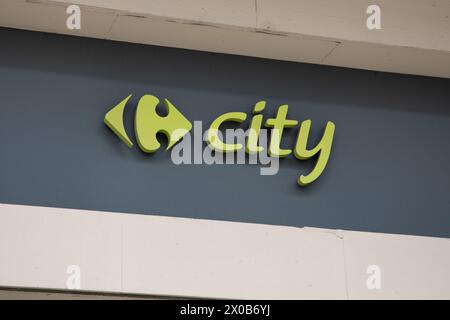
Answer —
252 145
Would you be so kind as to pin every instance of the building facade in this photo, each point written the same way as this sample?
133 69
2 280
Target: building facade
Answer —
101 196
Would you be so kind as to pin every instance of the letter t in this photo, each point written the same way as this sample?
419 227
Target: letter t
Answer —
278 124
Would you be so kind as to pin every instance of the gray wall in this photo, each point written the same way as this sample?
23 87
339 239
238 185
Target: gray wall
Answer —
389 170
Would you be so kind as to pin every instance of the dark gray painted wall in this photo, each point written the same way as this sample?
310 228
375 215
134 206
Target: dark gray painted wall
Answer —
389 170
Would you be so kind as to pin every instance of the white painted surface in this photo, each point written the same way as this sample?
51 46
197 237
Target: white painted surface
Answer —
38 244
414 39
411 267
219 40
173 256
164 256
39 16
421 24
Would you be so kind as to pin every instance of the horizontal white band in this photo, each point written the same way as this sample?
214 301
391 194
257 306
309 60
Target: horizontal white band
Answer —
154 255
413 39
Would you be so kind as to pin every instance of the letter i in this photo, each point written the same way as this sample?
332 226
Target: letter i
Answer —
255 126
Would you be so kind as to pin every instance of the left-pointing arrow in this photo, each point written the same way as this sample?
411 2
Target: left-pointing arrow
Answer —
114 120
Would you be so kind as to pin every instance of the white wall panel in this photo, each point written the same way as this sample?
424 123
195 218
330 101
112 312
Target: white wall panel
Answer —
165 256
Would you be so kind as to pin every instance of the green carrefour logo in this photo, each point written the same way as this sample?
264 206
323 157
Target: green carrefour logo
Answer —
175 126
148 123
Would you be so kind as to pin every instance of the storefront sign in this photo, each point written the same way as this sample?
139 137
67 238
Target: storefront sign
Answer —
175 126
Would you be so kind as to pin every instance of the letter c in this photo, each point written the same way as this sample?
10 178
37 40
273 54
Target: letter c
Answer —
213 133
